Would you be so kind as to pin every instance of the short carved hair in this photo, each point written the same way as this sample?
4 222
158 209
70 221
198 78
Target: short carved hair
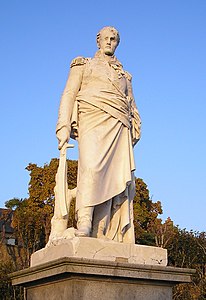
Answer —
112 29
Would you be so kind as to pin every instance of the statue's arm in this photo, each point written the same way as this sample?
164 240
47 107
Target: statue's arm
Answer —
135 116
71 89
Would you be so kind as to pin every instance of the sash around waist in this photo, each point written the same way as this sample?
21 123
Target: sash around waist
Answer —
116 105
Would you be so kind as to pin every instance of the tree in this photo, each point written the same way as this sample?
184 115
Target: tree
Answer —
145 214
9 258
163 232
31 217
41 191
187 249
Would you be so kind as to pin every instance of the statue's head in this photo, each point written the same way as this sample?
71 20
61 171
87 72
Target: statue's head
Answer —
107 40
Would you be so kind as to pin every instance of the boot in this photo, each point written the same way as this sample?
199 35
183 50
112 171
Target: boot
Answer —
84 221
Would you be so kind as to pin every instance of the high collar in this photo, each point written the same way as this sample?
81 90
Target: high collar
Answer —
112 61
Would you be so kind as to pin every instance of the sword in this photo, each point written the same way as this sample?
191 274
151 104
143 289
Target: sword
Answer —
63 198
62 201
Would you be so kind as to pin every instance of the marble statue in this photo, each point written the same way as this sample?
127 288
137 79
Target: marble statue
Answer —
98 109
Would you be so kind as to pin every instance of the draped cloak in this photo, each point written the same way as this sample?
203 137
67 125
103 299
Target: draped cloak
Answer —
106 160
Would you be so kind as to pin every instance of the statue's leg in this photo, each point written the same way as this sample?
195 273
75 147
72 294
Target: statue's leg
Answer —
101 219
84 221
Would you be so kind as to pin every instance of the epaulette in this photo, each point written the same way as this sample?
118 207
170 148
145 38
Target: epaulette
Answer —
78 61
128 75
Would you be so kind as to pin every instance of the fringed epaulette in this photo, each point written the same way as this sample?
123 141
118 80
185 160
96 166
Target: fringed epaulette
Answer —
78 61
128 75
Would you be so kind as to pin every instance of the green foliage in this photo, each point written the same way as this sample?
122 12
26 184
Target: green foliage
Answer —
7 291
42 182
187 249
163 232
41 194
145 213
5 285
13 203
31 218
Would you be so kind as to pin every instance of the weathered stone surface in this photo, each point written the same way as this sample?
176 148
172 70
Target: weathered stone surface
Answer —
92 289
86 279
92 248
98 107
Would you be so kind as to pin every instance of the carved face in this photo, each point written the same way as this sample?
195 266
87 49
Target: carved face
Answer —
108 42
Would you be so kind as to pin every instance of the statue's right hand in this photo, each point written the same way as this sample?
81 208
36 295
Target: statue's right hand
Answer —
62 136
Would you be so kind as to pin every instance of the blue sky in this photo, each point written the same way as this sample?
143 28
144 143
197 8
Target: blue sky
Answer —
163 45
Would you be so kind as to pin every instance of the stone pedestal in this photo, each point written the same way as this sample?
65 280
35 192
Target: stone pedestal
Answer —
87 269
90 279
93 248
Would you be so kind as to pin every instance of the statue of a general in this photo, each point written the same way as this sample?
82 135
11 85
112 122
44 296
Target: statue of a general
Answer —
98 109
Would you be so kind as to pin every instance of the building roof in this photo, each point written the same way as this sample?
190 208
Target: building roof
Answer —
5 220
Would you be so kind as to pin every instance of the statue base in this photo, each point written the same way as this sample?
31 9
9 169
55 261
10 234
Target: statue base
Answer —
99 249
85 279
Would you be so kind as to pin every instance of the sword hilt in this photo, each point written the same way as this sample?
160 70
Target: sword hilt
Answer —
64 148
